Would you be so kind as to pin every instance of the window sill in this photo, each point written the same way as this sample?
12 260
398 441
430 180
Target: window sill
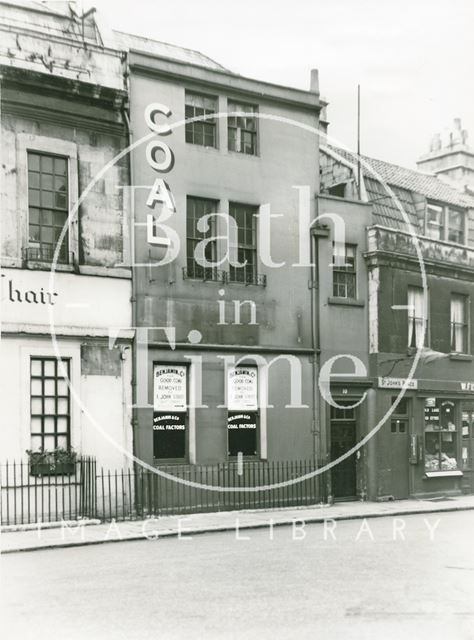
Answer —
203 147
464 357
48 266
347 302
242 153
443 474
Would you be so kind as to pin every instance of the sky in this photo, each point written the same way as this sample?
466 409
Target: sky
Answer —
414 60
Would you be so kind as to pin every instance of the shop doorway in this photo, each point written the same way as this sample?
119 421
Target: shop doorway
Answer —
399 450
343 438
467 447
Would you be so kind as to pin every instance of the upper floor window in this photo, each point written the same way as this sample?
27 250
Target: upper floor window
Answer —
445 223
455 226
196 208
202 132
242 130
435 222
417 318
244 216
48 206
344 284
459 323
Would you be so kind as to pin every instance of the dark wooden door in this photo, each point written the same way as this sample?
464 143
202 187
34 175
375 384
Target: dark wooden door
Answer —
343 475
399 458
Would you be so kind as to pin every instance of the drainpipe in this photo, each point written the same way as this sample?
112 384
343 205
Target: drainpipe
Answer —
318 433
133 299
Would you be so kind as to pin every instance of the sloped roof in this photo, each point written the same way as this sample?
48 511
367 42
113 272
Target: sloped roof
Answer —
127 41
425 184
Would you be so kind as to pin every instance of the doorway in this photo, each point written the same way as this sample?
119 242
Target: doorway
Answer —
343 438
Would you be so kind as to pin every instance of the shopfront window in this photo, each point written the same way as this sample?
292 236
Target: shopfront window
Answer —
467 436
441 432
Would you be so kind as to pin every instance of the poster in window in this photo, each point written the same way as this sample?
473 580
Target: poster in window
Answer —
242 388
170 388
242 433
169 435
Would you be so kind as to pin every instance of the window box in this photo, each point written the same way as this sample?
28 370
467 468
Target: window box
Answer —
443 474
347 302
51 468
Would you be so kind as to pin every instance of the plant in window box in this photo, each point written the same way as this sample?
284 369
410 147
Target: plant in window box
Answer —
59 461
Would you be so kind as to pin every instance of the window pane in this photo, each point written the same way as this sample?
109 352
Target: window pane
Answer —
49 387
50 406
36 443
36 406
63 389
62 425
63 406
62 442
46 164
36 425
36 387
36 368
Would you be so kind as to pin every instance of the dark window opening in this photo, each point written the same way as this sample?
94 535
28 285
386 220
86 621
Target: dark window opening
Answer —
344 275
242 130
201 132
196 208
246 221
48 207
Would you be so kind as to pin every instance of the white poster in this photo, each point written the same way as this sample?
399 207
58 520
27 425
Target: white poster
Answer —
242 385
169 387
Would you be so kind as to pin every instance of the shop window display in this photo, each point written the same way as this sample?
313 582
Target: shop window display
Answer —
440 435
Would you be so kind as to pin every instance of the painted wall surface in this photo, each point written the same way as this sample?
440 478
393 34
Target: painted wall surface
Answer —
39 298
285 432
100 237
46 107
343 326
100 404
445 375
287 157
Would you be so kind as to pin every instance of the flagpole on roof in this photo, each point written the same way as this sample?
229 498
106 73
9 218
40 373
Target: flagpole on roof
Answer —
358 141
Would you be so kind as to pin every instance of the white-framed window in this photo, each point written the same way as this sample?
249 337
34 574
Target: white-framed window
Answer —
201 132
242 130
445 223
344 276
417 317
459 323
47 190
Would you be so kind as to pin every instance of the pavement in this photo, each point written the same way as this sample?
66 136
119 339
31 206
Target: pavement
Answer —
89 532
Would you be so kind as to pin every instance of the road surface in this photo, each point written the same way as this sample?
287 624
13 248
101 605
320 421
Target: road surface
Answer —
354 582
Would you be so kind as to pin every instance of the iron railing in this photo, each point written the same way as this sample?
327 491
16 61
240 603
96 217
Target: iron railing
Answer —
211 274
140 493
88 492
30 497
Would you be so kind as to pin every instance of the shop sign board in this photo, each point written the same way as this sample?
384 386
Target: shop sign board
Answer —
397 383
170 388
242 388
